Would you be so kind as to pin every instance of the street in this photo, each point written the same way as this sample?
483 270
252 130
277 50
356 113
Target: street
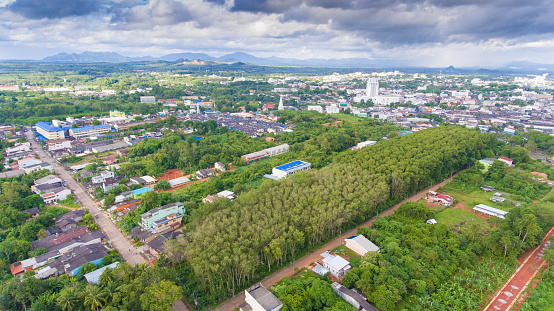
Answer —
129 253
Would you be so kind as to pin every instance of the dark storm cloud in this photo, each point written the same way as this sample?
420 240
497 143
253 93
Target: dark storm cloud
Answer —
157 12
38 9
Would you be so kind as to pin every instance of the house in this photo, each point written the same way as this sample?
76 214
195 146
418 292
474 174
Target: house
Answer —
360 244
488 188
72 262
336 265
143 181
45 187
32 211
19 147
102 177
507 161
13 173
442 199
353 297
94 276
258 298
70 220
157 245
223 194
25 162
109 160
163 218
204 173
60 144
137 193
497 199
490 211
55 195
284 170
38 167
178 182
219 166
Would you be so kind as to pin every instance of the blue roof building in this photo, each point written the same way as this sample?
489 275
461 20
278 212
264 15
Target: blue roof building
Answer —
50 132
284 170
137 193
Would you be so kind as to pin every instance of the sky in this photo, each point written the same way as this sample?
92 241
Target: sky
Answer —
432 33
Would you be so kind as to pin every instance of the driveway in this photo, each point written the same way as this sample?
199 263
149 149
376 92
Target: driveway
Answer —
129 253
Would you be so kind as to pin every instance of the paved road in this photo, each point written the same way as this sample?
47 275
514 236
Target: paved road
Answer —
130 253
508 295
232 303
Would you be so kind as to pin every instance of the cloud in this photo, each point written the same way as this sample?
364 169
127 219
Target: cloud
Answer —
38 9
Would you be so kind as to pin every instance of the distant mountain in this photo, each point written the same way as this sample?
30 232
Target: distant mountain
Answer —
190 56
95 57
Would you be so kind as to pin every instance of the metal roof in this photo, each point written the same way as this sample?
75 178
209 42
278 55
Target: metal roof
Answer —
292 165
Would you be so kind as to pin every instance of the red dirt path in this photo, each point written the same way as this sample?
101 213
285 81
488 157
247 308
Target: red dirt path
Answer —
506 297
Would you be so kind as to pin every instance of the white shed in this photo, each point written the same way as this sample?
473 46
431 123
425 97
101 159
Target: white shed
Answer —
360 244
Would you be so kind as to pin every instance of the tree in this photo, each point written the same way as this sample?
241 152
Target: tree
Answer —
96 122
160 296
94 297
67 299
162 185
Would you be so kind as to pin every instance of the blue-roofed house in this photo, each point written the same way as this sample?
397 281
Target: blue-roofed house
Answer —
50 132
137 193
87 131
284 170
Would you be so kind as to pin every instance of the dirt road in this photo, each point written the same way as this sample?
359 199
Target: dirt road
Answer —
130 253
232 303
508 295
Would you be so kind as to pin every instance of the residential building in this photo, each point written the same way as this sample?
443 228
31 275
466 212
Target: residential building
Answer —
55 195
60 144
353 297
38 167
19 147
265 153
336 265
258 298
102 177
204 173
442 199
490 211
507 161
144 180
333 108
229 195
284 170
219 166
94 276
87 131
157 245
25 162
372 88
45 188
33 212
360 244
50 132
162 218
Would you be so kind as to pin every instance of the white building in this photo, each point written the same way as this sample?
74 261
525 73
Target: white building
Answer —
26 162
102 177
491 211
50 179
385 100
336 265
266 153
372 88
365 144
59 145
316 108
258 298
87 131
20 147
50 132
333 108
178 182
284 170
55 196
147 99
360 244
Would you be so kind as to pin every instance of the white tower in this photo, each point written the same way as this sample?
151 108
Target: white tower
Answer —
197 108
372 89
281 107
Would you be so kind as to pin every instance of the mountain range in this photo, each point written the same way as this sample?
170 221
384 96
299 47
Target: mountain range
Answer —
110 57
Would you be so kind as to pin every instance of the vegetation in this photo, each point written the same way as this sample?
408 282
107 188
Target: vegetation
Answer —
235 243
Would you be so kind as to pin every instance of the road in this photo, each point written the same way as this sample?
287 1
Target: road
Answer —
508 295
129 253
232 303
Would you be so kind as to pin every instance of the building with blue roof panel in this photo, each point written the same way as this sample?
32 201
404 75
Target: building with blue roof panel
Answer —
50 132
284 170
137 193
87 131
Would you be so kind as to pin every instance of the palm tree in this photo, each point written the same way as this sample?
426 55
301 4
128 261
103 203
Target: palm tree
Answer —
106 277
67 299
110 289
94 297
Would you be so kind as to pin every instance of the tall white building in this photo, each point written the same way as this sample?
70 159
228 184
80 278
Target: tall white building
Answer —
372 89
281 107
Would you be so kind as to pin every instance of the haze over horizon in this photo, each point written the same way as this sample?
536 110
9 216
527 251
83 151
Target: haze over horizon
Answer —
420 33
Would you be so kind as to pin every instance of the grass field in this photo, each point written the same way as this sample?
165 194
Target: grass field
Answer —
460 219
348 254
